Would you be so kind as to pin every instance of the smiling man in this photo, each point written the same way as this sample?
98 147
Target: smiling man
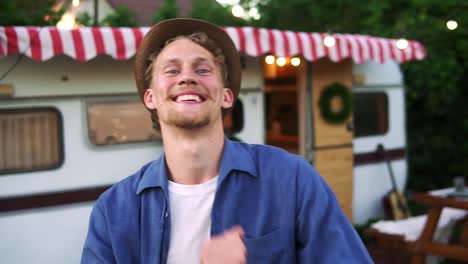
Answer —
208 199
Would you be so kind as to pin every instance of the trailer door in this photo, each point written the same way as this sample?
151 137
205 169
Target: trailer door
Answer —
332 143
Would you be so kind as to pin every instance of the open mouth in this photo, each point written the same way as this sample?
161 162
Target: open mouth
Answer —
188 98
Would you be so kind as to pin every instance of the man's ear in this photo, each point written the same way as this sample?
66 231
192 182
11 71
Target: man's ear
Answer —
228 98
149 99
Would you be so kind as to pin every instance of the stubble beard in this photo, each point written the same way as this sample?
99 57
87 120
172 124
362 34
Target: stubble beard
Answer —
179 120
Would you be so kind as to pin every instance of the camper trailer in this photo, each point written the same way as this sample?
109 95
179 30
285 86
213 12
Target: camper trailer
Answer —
71 123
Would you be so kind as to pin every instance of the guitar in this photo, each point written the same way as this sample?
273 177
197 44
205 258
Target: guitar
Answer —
395 204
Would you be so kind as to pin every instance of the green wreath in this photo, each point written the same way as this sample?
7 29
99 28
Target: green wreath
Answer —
332 90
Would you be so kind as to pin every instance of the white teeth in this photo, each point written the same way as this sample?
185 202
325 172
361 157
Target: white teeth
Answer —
188 97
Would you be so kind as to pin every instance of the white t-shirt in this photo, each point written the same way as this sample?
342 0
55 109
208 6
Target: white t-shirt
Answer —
190 207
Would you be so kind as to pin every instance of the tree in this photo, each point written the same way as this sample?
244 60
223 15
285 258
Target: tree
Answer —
435 87
121 17
215 13
436 94
84 19
167 11
321 16
28 12
43 13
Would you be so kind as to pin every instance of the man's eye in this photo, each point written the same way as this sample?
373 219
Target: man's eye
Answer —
172 71
202 71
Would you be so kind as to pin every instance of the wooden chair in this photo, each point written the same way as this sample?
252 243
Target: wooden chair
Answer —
424 245
387 248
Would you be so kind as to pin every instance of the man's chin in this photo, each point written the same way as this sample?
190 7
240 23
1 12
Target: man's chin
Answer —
191 123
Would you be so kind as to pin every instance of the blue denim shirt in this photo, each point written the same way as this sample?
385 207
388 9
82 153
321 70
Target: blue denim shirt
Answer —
288 212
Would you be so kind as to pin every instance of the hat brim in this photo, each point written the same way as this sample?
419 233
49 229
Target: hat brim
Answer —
167 29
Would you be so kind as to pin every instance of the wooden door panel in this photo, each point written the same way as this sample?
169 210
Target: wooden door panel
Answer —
333 142
325 73
335 166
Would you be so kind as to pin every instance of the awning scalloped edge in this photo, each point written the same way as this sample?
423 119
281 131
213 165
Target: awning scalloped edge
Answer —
43 43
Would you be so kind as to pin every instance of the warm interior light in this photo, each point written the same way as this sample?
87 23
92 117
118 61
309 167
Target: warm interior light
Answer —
402 43
67 21
270 59
329 41
452 24
76 3
281 61
237 11
295 61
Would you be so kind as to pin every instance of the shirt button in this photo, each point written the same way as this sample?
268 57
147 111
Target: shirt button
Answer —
166 215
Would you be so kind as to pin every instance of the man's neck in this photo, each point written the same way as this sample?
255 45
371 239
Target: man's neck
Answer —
193 156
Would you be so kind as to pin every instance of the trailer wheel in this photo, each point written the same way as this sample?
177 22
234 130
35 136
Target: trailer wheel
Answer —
325 103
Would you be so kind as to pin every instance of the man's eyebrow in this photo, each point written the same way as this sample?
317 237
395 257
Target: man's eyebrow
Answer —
170 61
203 59
177 60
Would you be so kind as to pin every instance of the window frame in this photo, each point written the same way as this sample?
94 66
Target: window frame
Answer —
113 100
387 108
60 137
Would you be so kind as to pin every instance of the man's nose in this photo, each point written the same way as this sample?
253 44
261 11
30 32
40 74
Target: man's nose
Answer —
187 78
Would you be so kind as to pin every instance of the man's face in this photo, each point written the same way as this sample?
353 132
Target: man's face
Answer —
187 88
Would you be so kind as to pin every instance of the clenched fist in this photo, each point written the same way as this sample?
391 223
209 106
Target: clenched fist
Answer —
227 248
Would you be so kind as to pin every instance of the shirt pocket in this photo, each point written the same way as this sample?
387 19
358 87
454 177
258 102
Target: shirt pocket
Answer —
265 249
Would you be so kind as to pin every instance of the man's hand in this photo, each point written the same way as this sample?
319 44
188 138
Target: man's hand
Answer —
226 248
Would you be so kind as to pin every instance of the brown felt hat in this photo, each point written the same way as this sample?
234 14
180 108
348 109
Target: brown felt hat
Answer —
167 29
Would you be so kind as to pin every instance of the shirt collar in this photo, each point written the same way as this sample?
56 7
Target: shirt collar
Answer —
155 175
235 156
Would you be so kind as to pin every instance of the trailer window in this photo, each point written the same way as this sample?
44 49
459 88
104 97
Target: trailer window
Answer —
30 140
370 114
112 123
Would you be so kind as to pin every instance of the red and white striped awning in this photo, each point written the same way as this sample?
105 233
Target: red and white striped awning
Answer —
43 43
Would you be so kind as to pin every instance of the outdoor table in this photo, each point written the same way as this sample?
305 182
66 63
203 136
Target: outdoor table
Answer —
424 245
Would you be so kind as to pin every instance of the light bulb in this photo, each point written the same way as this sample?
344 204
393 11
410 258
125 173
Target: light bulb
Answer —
270 59
253 13
67 21
452 24
402 43
281 61
295 61
237 11
329 41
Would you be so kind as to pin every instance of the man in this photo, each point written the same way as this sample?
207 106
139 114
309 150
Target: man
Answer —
208 199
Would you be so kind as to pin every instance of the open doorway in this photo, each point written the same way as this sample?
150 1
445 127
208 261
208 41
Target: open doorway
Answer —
281 104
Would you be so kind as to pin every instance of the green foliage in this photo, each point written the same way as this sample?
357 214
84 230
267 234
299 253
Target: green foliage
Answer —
84 19
28 12
121 17
167 11
215 13
40 13
436 93
313 15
